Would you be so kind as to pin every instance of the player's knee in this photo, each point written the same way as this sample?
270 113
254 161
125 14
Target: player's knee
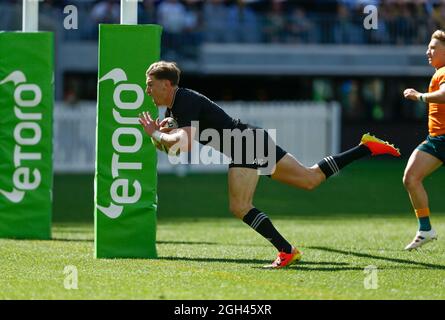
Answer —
239 209
410 180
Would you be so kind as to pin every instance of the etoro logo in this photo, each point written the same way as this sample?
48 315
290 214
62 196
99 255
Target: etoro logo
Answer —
24 178
120 188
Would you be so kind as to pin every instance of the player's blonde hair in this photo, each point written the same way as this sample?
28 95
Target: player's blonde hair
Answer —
439 35
164 70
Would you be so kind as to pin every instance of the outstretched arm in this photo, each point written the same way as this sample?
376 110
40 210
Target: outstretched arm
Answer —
181 137
433 97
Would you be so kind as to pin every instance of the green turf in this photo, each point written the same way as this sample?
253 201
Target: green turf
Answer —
221 258
373 186
360 218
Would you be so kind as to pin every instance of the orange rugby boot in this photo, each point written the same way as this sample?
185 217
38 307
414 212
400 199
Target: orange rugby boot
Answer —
285 259
378 146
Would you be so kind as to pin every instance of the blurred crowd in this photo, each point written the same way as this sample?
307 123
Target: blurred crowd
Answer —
188 23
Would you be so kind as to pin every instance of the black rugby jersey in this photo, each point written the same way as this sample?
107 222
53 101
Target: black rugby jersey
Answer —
189 105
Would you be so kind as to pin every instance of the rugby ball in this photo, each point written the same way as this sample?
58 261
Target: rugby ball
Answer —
170 124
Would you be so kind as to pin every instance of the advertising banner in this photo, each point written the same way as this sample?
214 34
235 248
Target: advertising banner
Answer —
125 178
26 117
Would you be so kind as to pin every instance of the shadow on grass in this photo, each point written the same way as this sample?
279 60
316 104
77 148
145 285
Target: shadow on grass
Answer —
396 260
300 267
249 261
325 266
61 239
186 242
335 266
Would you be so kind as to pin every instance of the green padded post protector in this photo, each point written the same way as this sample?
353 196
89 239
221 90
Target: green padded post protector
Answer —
126 174
26 119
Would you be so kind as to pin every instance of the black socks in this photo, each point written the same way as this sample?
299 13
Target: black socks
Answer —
262 224
333 164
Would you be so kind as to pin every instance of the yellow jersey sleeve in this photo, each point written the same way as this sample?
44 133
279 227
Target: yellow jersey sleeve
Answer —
436 112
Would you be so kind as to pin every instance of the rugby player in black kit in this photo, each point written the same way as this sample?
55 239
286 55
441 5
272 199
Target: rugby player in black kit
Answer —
195 113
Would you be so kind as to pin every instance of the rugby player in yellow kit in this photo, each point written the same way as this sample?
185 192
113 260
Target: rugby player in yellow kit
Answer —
430 154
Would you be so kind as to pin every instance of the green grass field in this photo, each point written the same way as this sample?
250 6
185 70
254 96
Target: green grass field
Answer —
221 259
356 220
